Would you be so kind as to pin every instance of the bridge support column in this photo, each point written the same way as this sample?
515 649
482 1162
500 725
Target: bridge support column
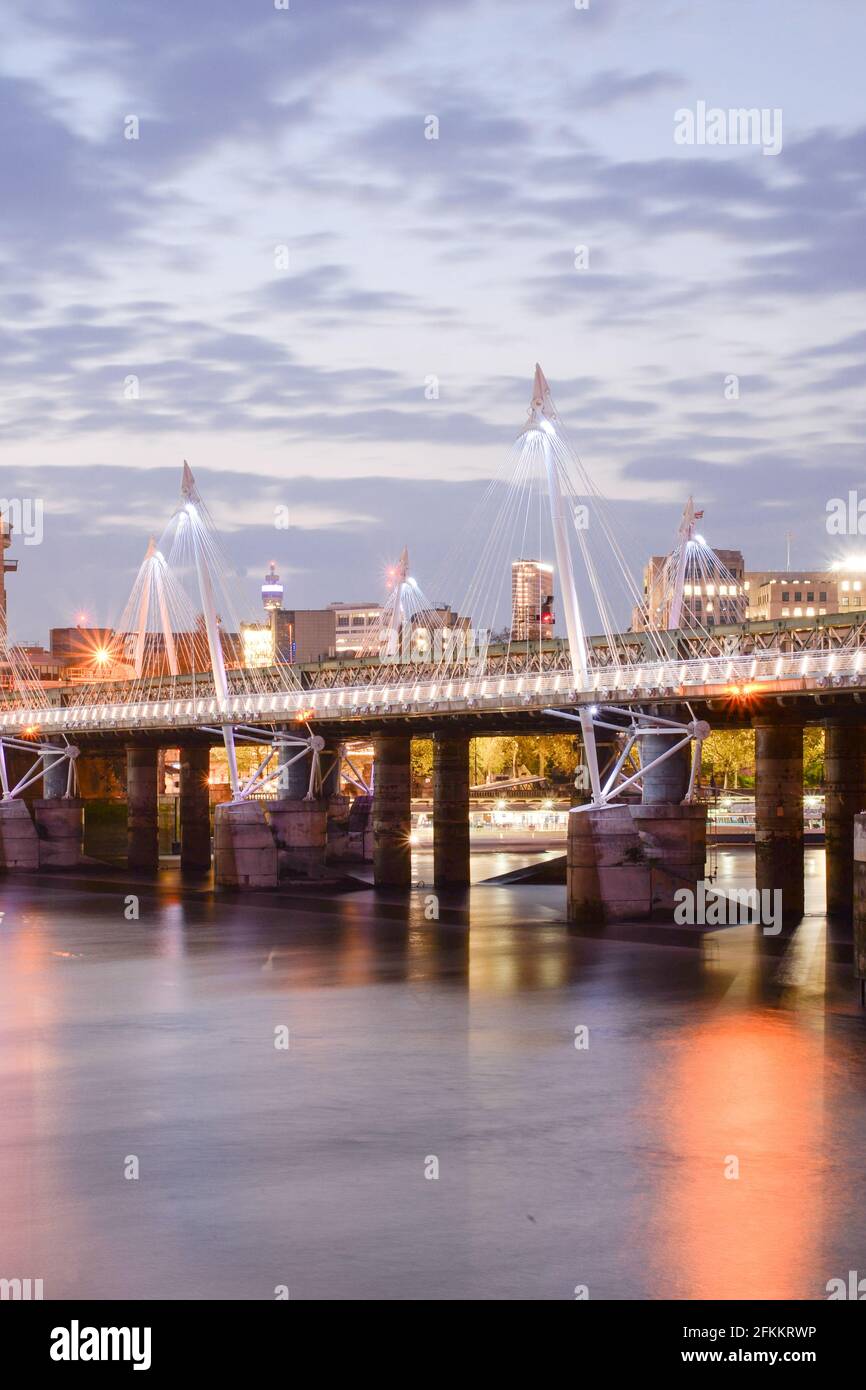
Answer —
668 783
779 812
245 853
194 807
392 811
300 830
845 796
860 905
626 863
294 781
60 827
450 810
142 807
19 842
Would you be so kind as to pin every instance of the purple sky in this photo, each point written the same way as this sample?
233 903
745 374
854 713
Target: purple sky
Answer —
411 258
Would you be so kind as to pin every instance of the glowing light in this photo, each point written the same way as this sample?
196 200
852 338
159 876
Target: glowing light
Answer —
101 656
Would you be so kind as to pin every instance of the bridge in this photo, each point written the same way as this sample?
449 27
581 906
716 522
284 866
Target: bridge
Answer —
640 701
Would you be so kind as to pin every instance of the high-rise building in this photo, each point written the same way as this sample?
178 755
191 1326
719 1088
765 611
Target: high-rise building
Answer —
272 590
532 614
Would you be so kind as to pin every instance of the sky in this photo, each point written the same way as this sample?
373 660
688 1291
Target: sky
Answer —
334 317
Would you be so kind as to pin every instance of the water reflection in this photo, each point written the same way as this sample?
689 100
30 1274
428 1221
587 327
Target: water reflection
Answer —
410 1037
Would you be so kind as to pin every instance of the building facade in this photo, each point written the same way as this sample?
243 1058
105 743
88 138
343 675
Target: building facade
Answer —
532 615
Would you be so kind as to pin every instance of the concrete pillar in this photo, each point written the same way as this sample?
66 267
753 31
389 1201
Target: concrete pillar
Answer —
300 830
625 863
845 784
392 812
667 784
779 812
860 905
245 853
330 762
142 807
294 781
55 778
19 842
450 810
194 807
60 826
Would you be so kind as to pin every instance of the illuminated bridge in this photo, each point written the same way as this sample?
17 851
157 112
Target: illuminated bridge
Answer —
639 701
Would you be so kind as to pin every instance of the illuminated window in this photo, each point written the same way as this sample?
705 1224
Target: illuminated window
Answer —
810 612
798 612
846 585
786 612
857 585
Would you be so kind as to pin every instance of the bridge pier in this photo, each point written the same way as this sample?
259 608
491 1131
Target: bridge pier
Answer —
779 811
294 779
245 852
450 810
194 808
142 807
668 783
392 811
845 797
859 868
19 842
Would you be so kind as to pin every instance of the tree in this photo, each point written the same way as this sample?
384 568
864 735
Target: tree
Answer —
726 753
813 756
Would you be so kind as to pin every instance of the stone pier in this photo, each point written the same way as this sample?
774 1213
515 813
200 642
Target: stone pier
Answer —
392 812
194 808
59 819
245 852
142 807
779 811
627 861
19 842
859 877
450 810
845 797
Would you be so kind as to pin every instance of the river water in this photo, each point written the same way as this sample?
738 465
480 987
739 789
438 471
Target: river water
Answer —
148 1046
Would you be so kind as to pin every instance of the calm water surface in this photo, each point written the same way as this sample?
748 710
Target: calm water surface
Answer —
409 1039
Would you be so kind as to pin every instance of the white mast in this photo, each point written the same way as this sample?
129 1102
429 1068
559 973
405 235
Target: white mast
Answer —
191 502
543 417
686 535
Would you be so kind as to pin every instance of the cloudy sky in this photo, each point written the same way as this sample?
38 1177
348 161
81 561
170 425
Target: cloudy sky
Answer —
266 279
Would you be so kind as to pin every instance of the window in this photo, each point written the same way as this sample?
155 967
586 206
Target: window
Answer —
798 612
810 598
786 596
810 612
823 596
786 612
846 585
343 620
798 596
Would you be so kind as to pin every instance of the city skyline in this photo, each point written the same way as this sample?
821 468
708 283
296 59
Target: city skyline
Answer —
371 384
